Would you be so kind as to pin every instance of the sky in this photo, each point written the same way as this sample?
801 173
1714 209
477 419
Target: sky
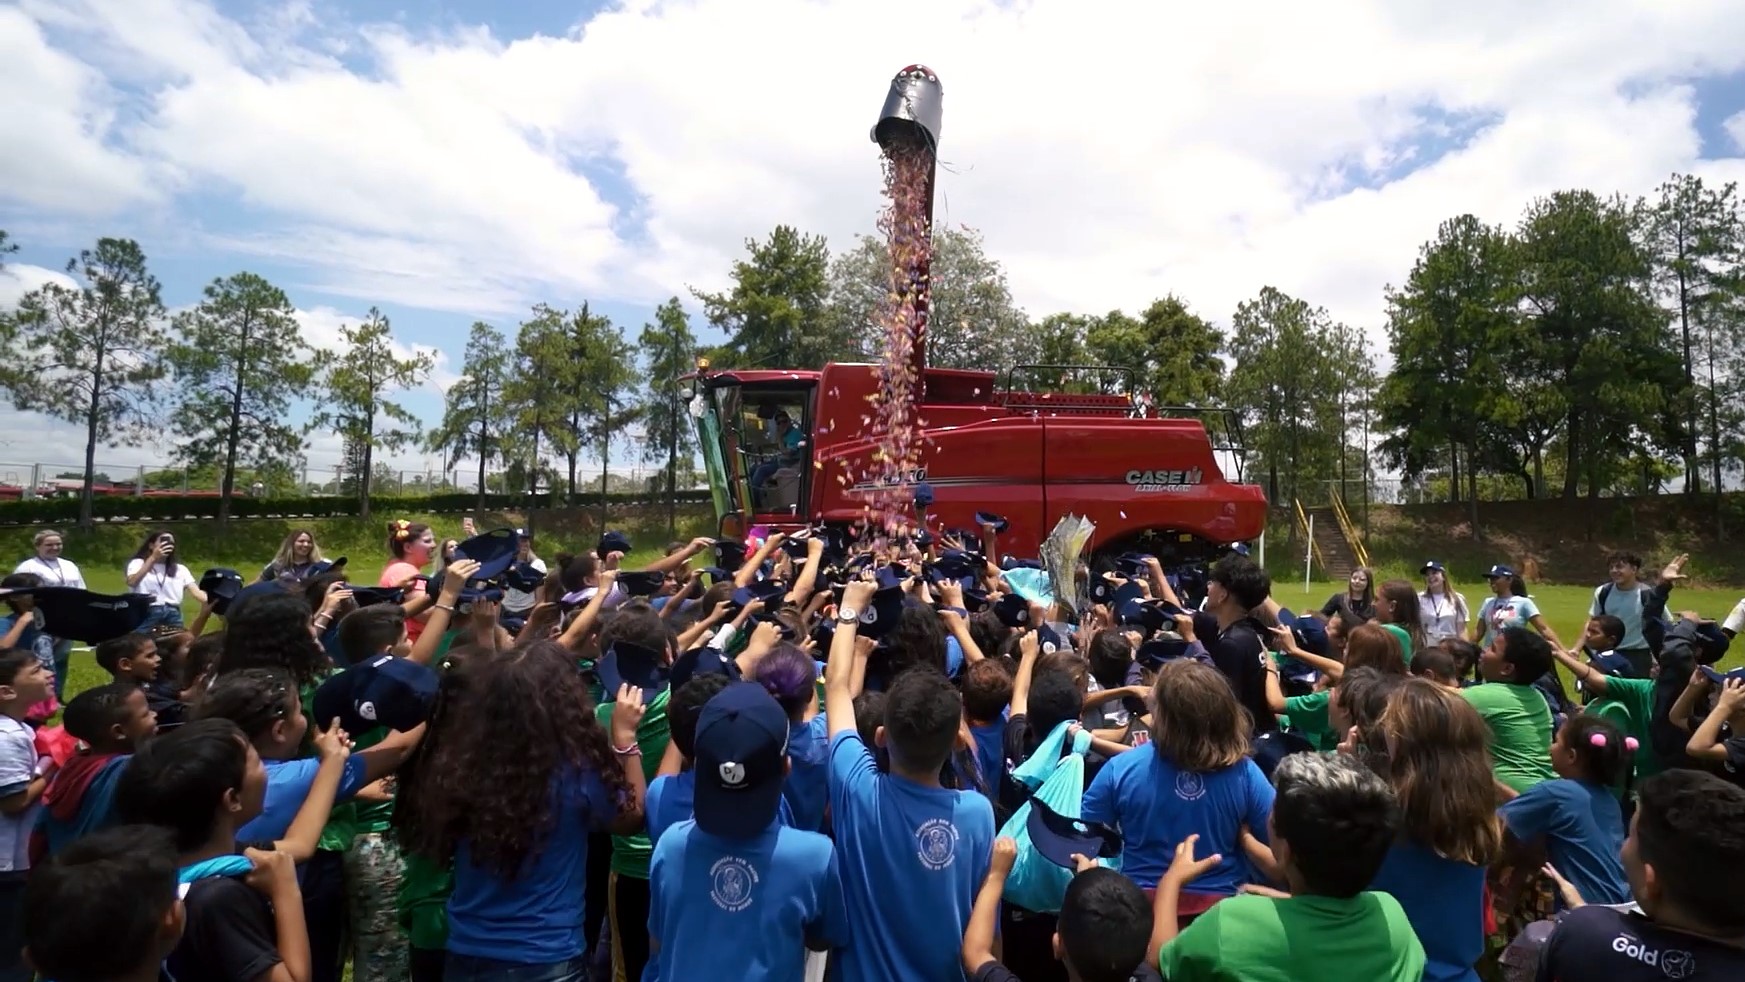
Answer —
458 160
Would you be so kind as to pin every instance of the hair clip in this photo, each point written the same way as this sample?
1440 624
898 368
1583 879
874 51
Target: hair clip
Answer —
1597 739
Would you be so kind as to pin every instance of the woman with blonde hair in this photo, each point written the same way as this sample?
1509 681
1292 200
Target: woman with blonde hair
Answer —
297 555
1441 609
1434 748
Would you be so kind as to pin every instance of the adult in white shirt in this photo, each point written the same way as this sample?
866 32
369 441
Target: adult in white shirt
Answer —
1442 610
154 571
519 603
54 571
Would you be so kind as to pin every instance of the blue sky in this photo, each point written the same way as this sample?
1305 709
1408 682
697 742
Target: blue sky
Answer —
458 160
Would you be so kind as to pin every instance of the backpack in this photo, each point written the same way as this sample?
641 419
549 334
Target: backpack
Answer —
1036 884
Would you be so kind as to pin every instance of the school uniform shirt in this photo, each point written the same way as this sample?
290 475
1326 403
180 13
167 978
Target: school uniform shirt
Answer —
630 853
1629 705
1626 606
54 572
1239 652
743 908
1583 828
1502 613
230 934
1444 901
17 769
1308 716
534 917
288 784
672 798
990 753
31 639
1305 938
1520 725
806 791
1603 943
164 587
1156 805
912 859
1443 616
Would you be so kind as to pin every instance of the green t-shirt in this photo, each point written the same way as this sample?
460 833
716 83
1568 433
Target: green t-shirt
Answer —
1308 715
1301 939
1404 637
631 853
1629 705
1520 725
423 902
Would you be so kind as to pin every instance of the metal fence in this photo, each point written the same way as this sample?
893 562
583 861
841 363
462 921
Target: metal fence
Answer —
45 479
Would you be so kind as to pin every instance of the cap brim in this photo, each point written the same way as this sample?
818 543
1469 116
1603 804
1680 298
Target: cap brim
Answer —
1057 838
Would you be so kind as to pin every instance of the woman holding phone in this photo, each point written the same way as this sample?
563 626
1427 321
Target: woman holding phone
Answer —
154 571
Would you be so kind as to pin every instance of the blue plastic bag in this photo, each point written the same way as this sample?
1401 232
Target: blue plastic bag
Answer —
1035 883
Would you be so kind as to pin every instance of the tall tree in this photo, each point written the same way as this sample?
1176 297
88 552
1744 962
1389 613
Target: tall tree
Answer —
90 354
669 349
972 320
1696 241
1597 336
609 371
776 314
354 388
239 360
1279 389
1171 351
538 389
476 415
576 423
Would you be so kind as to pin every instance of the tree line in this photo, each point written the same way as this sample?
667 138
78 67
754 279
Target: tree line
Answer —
1590 348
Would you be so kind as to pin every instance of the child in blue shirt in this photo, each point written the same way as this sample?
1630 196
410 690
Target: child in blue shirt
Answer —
1577 818
913 854
735 871
671 795
791 676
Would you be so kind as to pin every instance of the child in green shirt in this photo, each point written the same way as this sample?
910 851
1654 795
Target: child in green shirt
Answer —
1516 712
1332 825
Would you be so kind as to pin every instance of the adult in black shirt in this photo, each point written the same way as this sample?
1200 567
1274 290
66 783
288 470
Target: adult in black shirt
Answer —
1357 601
1236 588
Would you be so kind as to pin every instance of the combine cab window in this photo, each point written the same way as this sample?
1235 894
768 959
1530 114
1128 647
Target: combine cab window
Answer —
757 448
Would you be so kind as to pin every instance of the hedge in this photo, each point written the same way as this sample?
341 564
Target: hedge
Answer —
164 508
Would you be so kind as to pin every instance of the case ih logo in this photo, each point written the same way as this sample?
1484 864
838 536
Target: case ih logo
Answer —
1148 481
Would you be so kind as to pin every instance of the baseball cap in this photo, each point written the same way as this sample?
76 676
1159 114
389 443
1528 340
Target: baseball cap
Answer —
1153 654
1012 610
702 661
494 551
527 578
80 615
1722 678
1275 745
1431 566
729 554
324 567
386 691
1048 640
1498 572
923 494
370 596
998 522
639 582
612 542
742 749
881 615
221 585
633 664
1058 838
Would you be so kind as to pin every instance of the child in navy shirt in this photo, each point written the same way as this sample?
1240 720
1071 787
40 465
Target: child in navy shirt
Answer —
912 852
1577 817
1685 857
735 871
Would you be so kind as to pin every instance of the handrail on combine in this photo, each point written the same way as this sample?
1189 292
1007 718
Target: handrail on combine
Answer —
1349 530
1303 523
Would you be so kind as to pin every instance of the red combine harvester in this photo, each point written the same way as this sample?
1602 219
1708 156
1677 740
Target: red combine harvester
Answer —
787 449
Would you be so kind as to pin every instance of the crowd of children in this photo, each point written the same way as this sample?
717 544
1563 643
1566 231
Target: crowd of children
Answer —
874 761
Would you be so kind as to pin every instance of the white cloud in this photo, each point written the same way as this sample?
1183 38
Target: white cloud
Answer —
1111 152
17 279
1735 127
321 330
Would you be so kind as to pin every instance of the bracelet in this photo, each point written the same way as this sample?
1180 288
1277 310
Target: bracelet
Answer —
631 751
446 607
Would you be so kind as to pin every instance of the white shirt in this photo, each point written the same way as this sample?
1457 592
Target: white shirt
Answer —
1442 617
54 572
520 600
164 588
17 770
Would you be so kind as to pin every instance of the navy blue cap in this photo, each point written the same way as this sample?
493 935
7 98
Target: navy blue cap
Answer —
797 545
386 691
1722 678
729 554
494 551
975 599
1153 615
1013 562
1275 745
526 577
881 615
923 494
989 518
1310 634
641 582
1102 588
1498 572
1012 610
968 538
1612 663
250 592
612 542
1048 640
1431 565
1133 564
922 539
952 564
716 573
889 576
321 568
1058 838
741 765
1239 548
702 661
221 586
1153 654
1711 641
80 615
370 596
625 663
765 590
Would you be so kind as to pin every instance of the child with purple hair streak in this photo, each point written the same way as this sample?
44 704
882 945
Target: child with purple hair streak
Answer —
790 675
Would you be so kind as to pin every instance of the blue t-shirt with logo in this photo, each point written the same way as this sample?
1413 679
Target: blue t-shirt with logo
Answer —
1583 828
774 896
31 639
288 783
1156 805
536 916
807 789
1444 900
912 860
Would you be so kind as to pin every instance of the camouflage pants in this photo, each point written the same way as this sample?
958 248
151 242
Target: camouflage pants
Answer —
379 949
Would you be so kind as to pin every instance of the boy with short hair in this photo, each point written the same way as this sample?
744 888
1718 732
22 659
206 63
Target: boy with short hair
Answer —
1101 936
913 853
110 721
1684 858
987 694
1237 588
133 658
1517 714
23 778
106 908
1332 825
736 871
1627 598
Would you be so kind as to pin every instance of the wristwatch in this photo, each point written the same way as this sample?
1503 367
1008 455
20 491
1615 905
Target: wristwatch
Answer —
847 615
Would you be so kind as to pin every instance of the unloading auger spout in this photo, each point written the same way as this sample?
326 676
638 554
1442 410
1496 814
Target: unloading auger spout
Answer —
909 125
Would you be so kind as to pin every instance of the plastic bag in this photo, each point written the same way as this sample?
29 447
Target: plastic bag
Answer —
1036 884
